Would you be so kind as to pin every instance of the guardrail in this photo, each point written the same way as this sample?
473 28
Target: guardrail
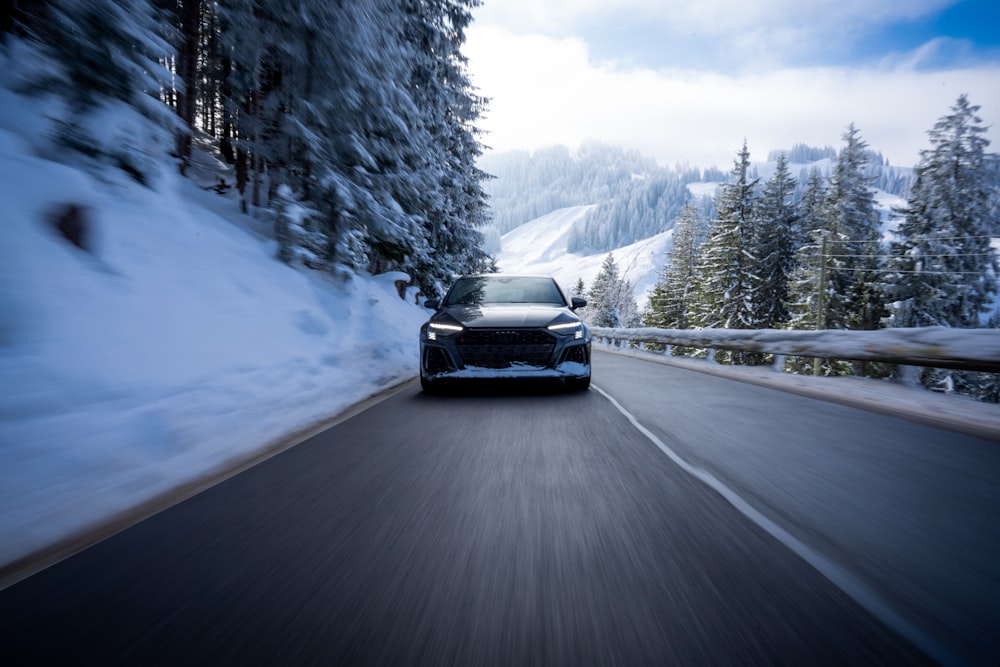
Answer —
936 347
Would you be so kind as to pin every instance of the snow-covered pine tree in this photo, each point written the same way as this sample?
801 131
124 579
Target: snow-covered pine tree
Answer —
600 311
804 281
625 306
611 298
364 110
807 306
727 272
854 289
279 76
671 297
106 55
448 107
776 243
188 40
660 312
943 267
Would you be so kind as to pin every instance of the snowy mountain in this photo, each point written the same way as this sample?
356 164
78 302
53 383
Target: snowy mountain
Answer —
631 197
540 247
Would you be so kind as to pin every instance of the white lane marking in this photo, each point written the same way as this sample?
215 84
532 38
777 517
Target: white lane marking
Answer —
838 576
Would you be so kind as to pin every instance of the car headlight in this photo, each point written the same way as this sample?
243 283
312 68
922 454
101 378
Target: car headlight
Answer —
435 329
574 329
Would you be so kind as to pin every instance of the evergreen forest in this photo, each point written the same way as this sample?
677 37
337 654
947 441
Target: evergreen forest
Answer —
350 126
770 258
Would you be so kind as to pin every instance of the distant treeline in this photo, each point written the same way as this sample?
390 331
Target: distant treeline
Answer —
635 197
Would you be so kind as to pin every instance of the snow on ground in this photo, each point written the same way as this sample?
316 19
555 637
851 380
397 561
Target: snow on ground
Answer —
907 401
177 346
539 246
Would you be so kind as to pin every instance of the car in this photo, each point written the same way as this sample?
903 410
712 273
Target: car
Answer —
503 326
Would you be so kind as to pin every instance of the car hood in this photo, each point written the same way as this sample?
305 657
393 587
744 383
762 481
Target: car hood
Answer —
505 315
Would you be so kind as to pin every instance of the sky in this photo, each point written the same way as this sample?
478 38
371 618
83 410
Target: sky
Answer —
688 82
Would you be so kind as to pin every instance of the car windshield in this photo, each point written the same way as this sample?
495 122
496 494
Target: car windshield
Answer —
498 289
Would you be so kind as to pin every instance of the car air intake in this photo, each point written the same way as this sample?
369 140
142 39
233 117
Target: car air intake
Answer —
436 361
576 354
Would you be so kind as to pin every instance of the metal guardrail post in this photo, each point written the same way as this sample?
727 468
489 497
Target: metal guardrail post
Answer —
779 363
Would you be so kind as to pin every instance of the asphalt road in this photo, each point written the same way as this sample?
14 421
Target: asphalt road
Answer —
518 527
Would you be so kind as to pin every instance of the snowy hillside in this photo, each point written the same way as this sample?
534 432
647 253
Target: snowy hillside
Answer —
540 247
176 344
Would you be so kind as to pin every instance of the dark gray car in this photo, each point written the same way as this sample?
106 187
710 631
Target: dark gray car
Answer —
496 326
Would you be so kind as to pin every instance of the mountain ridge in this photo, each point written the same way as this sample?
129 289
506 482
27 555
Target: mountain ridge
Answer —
632 197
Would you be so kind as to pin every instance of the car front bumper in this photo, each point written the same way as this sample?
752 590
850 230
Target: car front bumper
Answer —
505 354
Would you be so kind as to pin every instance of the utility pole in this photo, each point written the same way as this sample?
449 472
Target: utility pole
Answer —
821 301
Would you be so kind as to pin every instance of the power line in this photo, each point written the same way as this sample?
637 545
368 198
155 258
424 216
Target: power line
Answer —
933 238
925 273
950 254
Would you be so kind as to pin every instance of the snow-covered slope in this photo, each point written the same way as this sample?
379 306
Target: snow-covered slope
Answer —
178 343
539 246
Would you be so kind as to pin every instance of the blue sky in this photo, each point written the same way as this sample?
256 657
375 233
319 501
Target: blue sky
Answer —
685 81
972 27
970 30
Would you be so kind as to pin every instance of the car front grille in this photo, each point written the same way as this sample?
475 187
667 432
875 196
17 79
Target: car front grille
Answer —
502 348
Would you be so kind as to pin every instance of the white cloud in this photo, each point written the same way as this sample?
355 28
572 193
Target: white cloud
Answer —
547 90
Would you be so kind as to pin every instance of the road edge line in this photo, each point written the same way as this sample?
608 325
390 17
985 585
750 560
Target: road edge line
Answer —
835 574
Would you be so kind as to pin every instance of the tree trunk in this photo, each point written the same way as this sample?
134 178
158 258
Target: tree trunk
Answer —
187 70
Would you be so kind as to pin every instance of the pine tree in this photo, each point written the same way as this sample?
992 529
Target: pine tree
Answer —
189 34
107 55
624 304
448 107
364 110
671 299
854 234
611 298
600 311
727 279
776 243
943 267
805 280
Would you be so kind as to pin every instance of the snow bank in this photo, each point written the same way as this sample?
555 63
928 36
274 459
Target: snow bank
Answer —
176 346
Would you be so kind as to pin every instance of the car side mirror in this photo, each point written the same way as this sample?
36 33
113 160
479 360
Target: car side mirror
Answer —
578 302
432 304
